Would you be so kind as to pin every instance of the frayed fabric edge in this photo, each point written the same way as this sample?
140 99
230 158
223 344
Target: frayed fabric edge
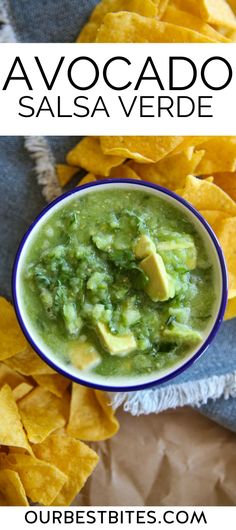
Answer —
195 394
45 171
7 33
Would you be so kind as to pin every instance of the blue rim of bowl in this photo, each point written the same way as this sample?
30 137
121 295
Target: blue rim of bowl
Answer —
203 347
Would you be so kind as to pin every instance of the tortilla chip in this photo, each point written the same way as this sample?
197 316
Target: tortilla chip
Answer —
129 27
220 155
12 491
28 362
213 217
88 33
124 172
11 428
206 195
75 459
22 390
65 173
55 383
87 179
88 155
230 309
161 6
217 12
187 20
225 232
146 9
227 182
10 377
41 480
170 172
42 413
91 417
12 339
143 149
232 4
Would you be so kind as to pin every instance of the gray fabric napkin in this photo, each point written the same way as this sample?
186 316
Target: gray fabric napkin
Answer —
212 379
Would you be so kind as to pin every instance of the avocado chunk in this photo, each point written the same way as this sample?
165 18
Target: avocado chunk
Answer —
158 287
143 247
84 355
183 333
116 344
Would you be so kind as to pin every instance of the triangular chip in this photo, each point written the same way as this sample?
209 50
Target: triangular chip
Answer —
65 173
28 363
225 232
41 480
220 155
22 390
12 491
124 172
42 413
183 18
145 8
129 27
87 179
9 376
142 149
55 383
11 428
206 195
217 12
227 182
231 309
73 458
171 171
91 415
12 339
88 155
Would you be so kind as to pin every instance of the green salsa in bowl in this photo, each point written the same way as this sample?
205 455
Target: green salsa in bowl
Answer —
119 284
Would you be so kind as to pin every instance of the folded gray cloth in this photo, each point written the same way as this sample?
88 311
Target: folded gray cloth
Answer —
210 383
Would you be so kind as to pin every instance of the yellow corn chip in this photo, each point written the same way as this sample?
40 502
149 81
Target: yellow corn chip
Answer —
232 4
220 155
12 491
87 179
231 309
42 413
65 173
227 182
187 20
88 33
12 339
88 155
213 217
11 428
91 416
75 459
124 172
225 232
143 149
129 27
21 390
10 377
55 383
28 363
41 480
161 6
207 196
170 172
147 8
217 12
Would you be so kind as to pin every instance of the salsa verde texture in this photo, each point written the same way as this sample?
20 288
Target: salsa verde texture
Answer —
118 282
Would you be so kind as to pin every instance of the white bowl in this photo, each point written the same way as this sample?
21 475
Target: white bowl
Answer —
141 381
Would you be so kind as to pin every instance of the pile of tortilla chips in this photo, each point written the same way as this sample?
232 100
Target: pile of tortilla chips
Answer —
161 21
43 420
201 169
